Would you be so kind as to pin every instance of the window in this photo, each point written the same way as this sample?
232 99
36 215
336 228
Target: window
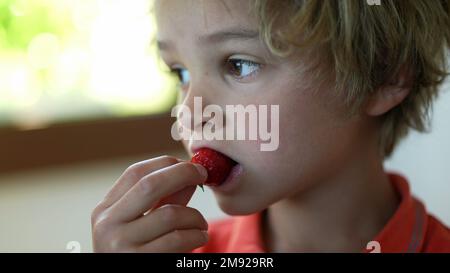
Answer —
74 71
66 60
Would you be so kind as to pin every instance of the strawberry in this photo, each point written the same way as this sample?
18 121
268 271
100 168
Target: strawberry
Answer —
217 164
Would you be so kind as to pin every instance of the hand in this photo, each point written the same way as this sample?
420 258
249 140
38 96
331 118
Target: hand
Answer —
145 210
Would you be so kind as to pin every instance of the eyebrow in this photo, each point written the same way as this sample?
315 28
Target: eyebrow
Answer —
219 37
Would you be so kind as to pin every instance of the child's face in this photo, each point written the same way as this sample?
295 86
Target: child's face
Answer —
315 143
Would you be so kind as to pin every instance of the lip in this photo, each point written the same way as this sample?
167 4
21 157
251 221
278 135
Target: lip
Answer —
231 181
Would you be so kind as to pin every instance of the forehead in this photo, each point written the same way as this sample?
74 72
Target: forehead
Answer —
179 18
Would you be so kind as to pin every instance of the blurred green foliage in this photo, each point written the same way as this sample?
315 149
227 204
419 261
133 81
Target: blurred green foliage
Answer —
21 20
56 56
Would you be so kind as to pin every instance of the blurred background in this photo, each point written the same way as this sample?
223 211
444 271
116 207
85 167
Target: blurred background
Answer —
83 96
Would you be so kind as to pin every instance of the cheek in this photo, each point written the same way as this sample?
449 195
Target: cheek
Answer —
300 126
306 145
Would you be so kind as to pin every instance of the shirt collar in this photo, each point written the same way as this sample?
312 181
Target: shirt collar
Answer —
405 231
247 234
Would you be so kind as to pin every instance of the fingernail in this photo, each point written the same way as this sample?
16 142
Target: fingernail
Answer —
201 170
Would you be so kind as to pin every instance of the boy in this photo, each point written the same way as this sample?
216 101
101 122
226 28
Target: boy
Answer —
350 80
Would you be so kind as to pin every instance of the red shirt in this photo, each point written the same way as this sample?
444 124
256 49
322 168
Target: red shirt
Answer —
410 229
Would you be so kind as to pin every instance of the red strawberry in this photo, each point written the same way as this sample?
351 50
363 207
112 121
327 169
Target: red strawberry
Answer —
217 164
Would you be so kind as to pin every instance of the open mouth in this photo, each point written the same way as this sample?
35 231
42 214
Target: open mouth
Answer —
218 165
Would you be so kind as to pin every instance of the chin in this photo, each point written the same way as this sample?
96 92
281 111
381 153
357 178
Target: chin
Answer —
235 207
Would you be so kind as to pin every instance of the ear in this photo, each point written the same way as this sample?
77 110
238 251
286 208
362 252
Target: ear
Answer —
389 95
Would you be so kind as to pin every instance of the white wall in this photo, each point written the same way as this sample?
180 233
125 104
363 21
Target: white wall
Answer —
425 159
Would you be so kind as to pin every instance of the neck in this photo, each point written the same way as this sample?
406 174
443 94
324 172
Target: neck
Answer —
339 215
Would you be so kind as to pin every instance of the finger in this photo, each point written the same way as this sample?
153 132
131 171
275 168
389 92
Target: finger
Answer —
164 220
177 241
133 174
179 198
153 187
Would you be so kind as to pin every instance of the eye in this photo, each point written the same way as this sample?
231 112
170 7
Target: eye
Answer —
241 68
182 74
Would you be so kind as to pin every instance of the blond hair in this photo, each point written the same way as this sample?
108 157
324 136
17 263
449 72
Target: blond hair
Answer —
366 45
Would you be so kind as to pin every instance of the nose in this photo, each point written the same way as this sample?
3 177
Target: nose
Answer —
196 100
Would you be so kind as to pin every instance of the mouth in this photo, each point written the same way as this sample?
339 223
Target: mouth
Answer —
219 166
196 149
